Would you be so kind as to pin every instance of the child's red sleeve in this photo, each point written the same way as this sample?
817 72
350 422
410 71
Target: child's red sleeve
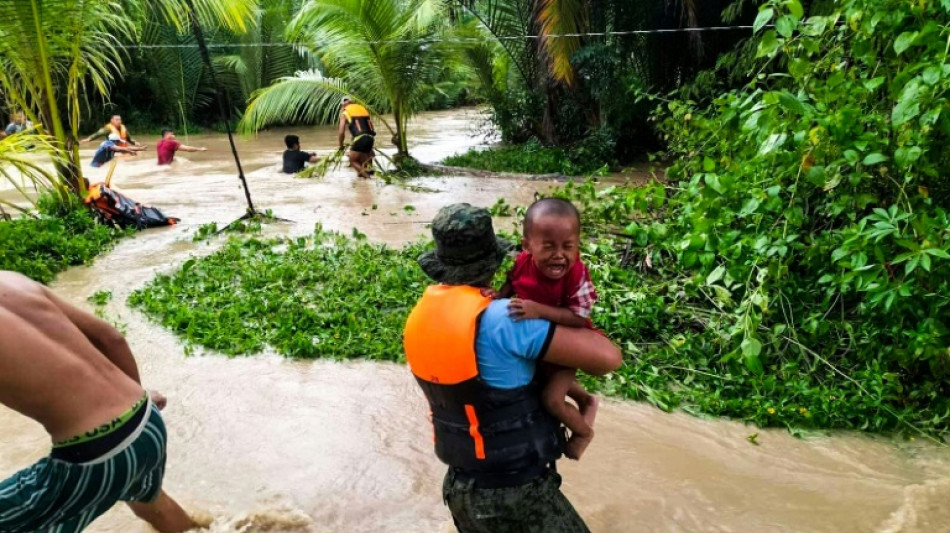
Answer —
582 297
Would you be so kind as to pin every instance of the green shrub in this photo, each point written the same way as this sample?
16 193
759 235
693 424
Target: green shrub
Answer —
803 265
62 236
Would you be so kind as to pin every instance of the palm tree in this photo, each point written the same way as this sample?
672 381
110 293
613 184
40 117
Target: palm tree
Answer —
20 167
531 34
540 37
57 54
383 53
262 56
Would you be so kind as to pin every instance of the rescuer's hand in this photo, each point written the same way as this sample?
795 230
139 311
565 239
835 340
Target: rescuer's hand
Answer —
158 399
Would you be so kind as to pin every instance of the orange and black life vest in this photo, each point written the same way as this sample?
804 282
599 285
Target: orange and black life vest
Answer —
120 131
357 119
477 428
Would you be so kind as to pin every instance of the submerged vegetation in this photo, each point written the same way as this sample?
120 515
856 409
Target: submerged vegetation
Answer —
305 298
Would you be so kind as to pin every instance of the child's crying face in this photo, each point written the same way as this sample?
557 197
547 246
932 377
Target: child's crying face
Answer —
553 242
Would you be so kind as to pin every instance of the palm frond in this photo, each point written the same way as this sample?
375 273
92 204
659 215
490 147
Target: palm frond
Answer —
20 167
235 15
307 97
557 19
511 22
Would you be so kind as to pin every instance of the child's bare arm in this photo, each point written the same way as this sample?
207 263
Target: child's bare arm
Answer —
521 309
506 290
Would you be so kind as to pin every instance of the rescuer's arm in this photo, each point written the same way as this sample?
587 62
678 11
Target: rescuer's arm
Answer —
583 349
101 133
341 130
192 148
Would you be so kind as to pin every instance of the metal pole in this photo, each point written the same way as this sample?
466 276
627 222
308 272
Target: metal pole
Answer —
224 103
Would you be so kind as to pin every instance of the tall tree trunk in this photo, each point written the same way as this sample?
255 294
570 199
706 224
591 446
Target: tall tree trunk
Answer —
549 119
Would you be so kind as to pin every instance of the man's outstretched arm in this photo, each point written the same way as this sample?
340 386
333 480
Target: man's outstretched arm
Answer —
583 349
103 336
341 130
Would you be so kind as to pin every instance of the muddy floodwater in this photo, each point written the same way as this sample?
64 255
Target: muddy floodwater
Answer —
266 444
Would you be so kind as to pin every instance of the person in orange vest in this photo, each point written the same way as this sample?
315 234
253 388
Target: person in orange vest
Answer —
477 367
115 126
356 118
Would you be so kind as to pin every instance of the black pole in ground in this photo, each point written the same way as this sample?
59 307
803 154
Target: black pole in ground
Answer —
224 107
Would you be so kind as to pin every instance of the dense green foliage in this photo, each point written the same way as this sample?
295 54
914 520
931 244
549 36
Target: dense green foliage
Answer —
561 90
167 84
584 158
802 263
64 235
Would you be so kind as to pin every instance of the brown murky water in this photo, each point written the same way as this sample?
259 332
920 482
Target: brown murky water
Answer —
266 444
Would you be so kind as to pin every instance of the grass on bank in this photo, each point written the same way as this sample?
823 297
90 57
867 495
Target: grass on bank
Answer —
534 158
60 237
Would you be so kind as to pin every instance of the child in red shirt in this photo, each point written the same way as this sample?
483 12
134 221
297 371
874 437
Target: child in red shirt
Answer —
550 281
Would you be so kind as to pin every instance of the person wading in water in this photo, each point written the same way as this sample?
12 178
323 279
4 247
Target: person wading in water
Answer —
356 118
477 368
75 375
114 127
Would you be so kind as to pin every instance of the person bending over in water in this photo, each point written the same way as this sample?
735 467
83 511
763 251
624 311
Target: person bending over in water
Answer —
356 118
75 375
295 159
168 145
551 282
110 147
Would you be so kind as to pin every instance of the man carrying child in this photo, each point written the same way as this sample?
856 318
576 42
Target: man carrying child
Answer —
476 366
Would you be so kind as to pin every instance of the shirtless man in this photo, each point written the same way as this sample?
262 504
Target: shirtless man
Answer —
76 375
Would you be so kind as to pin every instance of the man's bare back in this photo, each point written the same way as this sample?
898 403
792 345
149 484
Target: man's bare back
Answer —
75 374
50 370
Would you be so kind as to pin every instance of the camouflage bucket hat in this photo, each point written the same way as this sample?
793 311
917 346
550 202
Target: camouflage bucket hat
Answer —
467 251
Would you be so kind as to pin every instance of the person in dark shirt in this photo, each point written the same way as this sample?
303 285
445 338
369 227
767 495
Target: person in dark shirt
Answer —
294 159
110 147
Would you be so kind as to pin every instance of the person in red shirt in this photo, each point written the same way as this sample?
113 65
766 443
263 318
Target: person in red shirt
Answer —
167 147
550 281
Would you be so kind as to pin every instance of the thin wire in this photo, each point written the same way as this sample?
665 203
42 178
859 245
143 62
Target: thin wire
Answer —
461 40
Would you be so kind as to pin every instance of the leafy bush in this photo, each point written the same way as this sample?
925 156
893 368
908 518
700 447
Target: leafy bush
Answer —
799 274
64 235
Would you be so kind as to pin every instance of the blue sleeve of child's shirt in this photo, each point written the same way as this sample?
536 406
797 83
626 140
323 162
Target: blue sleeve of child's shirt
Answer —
526 339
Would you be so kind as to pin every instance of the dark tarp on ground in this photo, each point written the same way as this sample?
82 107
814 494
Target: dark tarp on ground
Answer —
117 209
